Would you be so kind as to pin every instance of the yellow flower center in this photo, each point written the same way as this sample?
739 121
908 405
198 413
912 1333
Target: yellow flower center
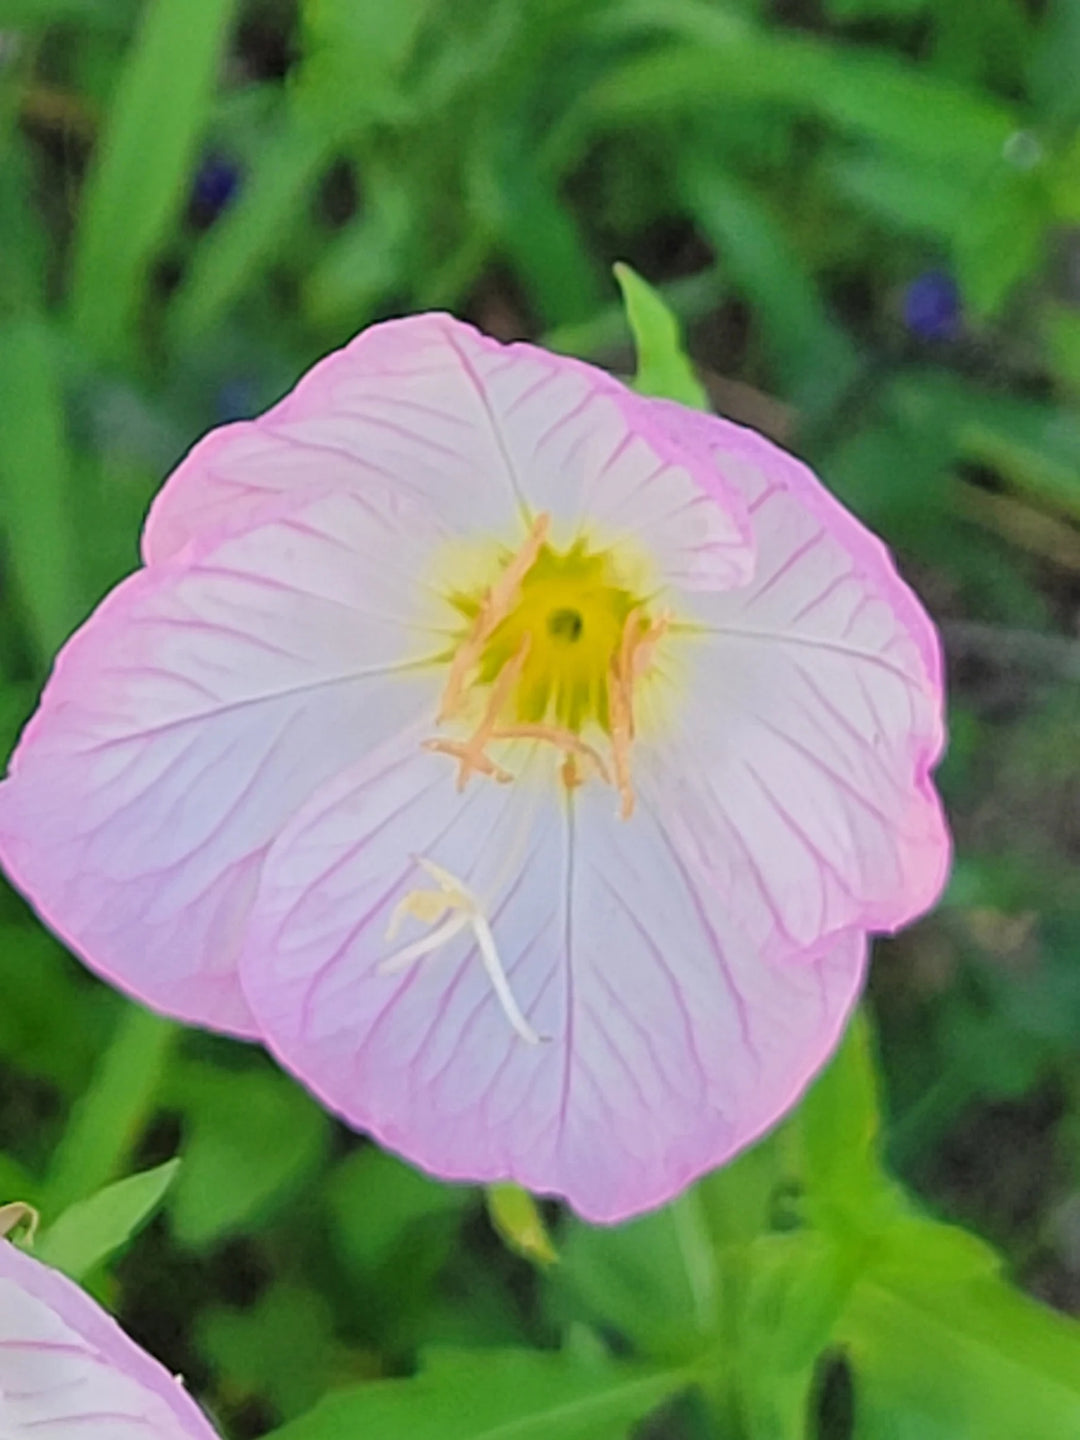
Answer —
558 644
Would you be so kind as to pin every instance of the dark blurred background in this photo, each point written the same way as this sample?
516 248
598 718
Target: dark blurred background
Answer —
867 213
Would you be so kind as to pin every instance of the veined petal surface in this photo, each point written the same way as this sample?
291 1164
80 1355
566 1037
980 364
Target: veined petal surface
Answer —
667 1043
795 768
480 435
204 701
68 1372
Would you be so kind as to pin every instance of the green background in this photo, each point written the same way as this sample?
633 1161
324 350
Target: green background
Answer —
867 215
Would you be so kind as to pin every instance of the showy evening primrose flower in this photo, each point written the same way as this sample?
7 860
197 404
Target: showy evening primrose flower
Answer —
67 1369
523 761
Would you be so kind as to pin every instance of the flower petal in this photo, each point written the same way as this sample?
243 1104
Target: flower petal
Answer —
666 1043
196 710
67 1370
807 720
479 434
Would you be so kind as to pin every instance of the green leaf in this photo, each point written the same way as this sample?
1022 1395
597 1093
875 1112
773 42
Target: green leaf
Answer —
543 242
1062 331
872 9
812 357
492 1395
847 1191
907 194
88 1232
280 1349
26 14
516 1216
377 1201
107 1120
367 261
1056 63
940 1360
1002 240
141 171
653 1279
355 59
798 1286
250 1138
663 367
867 96
36 480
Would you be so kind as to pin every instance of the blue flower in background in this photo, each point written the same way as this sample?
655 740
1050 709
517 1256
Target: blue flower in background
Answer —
216 184
932 306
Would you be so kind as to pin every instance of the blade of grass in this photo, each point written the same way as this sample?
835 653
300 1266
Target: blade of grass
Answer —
35 483
140 172
107 1120
238 249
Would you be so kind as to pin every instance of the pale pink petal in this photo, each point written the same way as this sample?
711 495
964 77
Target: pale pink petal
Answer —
480 434
793 758
668 1043
205 700
68 1372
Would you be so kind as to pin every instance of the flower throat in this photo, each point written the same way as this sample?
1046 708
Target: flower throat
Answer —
556 646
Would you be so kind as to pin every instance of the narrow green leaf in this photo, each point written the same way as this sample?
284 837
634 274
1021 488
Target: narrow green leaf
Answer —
867 95
492 1395
91 1230
140 173
36 480
540 235
106 1122
813 359
663 367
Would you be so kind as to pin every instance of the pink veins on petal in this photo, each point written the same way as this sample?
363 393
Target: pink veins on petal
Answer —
524 762
67 1369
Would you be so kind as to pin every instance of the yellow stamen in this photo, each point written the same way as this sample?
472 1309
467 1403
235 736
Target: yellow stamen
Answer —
496 605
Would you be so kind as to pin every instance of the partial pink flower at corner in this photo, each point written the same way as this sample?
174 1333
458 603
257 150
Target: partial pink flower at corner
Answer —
67 1369
524 762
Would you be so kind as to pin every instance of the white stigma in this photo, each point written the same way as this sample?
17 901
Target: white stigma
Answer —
461 909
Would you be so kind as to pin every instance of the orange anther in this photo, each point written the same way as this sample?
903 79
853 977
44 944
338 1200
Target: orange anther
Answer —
572 745
472 752
619 715
494 608
471 760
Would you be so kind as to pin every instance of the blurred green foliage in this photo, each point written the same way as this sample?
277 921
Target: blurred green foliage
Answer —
867 213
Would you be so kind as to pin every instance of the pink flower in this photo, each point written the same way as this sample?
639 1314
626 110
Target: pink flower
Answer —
524 762
67 1369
